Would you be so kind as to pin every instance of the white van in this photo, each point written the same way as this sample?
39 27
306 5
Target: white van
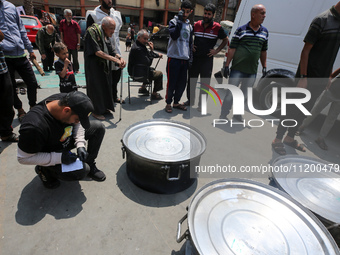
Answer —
287 22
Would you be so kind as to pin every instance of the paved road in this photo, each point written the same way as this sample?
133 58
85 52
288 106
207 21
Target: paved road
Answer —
116 217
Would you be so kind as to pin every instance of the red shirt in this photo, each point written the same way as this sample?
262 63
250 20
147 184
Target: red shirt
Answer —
71 31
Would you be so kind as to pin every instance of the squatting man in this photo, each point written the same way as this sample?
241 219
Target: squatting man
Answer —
51 129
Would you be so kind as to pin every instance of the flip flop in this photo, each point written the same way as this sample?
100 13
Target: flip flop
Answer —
168 108
322 144
13 138
180 107
279 148
296 145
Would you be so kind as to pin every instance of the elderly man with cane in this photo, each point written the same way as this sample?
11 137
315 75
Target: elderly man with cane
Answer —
100 56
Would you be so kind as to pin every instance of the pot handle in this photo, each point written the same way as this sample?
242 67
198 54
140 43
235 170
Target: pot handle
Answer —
180 168
123 151
179 237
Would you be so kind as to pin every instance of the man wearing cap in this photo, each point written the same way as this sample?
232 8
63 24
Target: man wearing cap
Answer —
51 129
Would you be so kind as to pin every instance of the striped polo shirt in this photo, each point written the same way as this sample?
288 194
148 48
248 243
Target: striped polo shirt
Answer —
248 44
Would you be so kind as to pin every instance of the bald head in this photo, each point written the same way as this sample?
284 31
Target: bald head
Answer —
109 26
50 29
258 14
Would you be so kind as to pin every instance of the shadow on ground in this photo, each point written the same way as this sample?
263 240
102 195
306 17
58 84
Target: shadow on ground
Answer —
140 196
36 201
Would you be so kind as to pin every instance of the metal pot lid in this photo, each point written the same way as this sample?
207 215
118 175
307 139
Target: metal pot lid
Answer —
164 140
238 216
312 182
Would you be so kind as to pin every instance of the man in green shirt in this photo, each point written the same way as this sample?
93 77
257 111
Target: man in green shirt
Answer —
248 45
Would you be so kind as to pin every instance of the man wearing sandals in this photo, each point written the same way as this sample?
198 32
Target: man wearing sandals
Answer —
14 45
206 33
140 55
107 9
179 53
6 100
321 47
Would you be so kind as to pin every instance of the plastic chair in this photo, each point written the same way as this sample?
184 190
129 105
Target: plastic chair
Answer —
140 74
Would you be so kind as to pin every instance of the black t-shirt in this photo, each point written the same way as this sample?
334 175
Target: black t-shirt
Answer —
41 132
68 83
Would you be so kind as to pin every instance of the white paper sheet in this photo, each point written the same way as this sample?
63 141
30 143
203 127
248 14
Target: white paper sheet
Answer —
72 167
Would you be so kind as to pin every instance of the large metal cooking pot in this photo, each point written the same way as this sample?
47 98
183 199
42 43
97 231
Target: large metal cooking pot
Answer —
315 184
239 216
160 153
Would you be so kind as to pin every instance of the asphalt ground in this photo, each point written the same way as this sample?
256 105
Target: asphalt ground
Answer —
115 216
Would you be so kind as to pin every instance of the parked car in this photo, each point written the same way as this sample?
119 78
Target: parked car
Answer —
160 39
82 24
32 25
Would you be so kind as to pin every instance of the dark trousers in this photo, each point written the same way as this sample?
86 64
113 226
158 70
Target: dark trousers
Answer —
157 77
115 79
73 56
24 68
6 105
177 72
94 136
316 87
200 67
49 60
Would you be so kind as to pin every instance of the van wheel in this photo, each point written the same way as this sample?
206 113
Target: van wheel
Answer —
266 97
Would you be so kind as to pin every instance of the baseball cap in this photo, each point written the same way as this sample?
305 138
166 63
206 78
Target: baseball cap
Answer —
81 105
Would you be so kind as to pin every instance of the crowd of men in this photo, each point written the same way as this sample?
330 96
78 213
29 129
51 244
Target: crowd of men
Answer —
60 123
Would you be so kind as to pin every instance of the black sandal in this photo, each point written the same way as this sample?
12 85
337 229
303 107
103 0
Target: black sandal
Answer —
279 148
180 107
13 138
294 144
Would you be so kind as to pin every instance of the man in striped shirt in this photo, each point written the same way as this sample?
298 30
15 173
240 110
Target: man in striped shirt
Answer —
248 45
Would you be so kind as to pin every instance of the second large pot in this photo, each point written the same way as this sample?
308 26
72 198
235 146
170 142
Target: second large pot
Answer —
160 154
239 216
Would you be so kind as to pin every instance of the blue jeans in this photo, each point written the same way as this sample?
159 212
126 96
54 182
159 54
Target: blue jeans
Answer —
236 78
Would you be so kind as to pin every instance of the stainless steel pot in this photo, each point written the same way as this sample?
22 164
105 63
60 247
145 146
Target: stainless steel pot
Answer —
160 154
315 184
238 216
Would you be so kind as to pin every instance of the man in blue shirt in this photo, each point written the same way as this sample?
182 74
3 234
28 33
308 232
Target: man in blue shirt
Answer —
14 45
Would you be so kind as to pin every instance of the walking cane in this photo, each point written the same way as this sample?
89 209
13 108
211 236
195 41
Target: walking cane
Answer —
121 95
157 63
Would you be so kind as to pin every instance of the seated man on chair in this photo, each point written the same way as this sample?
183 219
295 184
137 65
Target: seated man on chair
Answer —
140 55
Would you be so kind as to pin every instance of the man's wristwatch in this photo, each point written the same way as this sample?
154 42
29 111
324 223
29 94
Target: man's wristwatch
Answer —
303 76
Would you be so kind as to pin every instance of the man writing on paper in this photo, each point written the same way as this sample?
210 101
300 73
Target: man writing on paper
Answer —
51 129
